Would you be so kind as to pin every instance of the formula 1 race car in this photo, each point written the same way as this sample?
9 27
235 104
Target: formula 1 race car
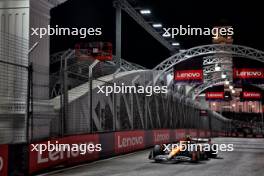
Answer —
177 151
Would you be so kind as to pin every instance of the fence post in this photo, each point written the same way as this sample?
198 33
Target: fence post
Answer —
29 110
91 92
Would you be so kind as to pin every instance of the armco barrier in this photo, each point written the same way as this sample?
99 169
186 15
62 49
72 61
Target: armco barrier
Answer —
193 132
3 160
179 133
25 161
108 144
202 133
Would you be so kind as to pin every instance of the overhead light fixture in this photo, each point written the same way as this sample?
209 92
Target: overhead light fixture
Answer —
227 82
175 44
233 91
223 76
231 87
145 11
217 67
157 25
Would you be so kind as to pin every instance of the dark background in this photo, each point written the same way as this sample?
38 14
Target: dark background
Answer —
138 46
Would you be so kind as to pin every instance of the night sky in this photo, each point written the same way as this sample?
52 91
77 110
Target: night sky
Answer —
138 46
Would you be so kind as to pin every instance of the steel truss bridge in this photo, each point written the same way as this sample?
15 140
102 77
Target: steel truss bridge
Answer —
136 111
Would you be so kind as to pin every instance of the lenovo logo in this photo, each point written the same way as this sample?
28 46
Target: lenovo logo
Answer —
248 73
129 141
161 137
188 75
56 155
255 95
214 95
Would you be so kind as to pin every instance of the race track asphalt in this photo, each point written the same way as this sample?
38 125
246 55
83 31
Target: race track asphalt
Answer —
247 159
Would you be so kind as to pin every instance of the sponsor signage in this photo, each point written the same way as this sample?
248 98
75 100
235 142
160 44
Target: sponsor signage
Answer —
101 51
3 160
188 75
179 134
47 159
248 73
161 136
214 95
251 95
129 141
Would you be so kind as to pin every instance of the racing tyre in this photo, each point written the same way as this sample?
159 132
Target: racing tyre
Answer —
195 157
157 150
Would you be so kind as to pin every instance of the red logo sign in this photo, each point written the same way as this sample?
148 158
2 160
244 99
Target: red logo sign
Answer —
48 159
214 95
161 136
247 73
129 141
183 75
3 160
94 50
252 95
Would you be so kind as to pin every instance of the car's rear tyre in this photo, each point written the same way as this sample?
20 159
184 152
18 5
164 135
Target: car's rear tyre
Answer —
195 157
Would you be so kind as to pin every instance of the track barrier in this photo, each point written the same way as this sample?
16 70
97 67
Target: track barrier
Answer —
19 159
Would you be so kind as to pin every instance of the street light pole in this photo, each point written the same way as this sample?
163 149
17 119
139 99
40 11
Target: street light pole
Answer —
114 102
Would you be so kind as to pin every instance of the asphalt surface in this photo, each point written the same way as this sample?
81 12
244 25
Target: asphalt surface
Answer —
246 159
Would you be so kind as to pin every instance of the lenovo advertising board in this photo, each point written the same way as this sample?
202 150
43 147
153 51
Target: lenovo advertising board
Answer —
214 95
161 136
188 76
129 141
246 95
86 149
248 75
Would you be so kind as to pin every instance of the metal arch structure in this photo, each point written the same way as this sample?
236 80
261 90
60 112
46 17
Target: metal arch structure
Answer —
229 49
125 65
208 60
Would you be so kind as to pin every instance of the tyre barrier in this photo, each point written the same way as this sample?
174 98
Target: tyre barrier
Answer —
23 160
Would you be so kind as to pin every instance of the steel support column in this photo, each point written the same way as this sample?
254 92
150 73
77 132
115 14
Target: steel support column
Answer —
118 39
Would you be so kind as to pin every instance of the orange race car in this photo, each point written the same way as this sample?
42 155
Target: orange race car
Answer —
187 149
